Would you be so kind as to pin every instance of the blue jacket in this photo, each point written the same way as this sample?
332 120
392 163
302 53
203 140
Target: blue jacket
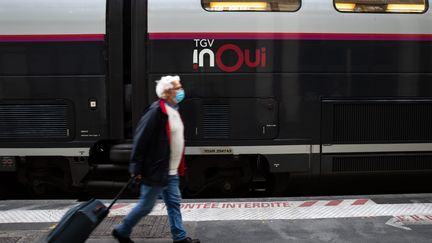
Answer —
151 146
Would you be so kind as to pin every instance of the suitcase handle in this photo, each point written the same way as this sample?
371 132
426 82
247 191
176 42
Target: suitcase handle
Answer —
98 208
131 180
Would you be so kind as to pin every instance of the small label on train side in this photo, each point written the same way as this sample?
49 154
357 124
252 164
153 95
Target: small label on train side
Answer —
216 150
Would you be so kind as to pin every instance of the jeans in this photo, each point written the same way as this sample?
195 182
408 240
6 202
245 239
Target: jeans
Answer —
148 196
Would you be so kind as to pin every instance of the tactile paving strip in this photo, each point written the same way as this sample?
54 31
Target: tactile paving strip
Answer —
148 227
9 239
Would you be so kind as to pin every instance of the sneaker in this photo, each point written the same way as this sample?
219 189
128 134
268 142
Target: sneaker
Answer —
121 239
188 240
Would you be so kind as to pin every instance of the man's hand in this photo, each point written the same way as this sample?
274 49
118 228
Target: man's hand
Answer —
137 178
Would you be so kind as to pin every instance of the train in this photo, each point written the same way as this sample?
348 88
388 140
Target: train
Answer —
276 89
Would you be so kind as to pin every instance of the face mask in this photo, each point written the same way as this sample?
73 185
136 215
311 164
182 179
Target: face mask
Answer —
180 94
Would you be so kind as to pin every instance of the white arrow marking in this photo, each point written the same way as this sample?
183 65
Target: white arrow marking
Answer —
400 221
397 223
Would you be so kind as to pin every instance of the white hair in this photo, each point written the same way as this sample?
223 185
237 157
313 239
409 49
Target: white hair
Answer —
164 84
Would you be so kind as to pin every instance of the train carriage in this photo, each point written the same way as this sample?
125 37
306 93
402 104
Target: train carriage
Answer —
275 88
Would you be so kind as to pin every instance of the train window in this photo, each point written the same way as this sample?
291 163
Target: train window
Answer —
252 5
381 6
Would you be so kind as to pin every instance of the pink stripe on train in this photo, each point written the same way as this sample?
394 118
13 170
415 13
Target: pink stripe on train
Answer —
289 36
52 38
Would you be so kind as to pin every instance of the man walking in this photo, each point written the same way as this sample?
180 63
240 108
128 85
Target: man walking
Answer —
157 160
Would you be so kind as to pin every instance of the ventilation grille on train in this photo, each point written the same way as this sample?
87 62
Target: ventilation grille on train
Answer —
382 163
34 122
382 122
215 122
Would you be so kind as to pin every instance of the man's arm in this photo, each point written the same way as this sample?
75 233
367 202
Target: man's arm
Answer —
141 141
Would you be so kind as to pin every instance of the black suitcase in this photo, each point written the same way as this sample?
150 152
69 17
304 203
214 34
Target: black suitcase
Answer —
80 221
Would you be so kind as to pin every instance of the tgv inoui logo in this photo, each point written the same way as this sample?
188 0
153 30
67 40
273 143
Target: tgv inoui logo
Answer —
203 54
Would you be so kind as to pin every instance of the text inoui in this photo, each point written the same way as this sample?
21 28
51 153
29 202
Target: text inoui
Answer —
244 57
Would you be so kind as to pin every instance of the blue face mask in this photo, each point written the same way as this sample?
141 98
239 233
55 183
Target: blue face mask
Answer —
180 95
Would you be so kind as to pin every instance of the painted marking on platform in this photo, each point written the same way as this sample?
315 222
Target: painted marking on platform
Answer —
360 202
119 205
334 203
402 221
254 210
308 203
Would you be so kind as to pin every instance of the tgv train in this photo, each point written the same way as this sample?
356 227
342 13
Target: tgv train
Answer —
276 89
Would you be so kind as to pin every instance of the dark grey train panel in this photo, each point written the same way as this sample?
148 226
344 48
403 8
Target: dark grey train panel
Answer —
299 98
377 121
49 120
376 163
62 103
230 118
289 162
52 58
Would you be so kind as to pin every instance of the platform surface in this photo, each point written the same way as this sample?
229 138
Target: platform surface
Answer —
373 218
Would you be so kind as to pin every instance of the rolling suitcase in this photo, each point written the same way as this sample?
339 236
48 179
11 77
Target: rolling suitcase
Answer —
80 221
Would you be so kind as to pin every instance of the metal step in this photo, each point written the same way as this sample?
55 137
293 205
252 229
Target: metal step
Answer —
259 184
120 153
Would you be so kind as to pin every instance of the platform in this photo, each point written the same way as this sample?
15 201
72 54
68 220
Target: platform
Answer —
382 218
